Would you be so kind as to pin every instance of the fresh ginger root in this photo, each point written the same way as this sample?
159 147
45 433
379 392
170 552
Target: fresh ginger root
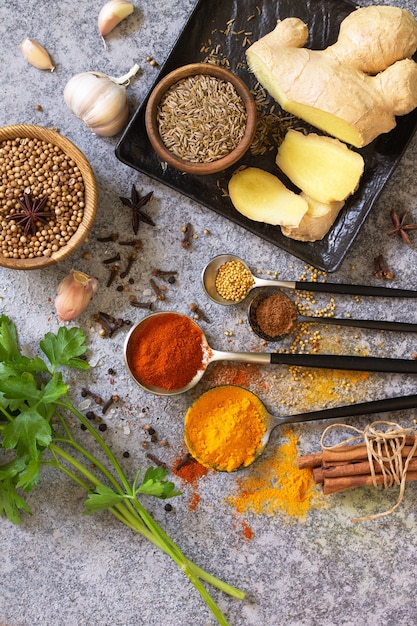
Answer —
353 89
317 222
262 197
323 167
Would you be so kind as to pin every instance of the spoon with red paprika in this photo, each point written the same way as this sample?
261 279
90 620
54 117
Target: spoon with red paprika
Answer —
167 353
201 422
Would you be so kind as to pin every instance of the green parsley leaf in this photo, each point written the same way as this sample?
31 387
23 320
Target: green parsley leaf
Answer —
20 390
9 346
27 431
65 348
29 477
102 498
154 485
15 467
11 503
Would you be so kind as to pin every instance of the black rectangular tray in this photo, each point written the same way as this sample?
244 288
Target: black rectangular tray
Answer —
205 34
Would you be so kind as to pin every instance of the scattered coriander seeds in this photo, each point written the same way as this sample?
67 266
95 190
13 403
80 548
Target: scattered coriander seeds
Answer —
39 169
201 118
233 281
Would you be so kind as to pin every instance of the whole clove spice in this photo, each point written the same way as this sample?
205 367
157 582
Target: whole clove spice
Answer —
158 292
87 392
198 313
112 259
140 305
135 243
155 460
381 269
164 274
188 233
110 324
130 260
114 399
186 459
113 274
108 238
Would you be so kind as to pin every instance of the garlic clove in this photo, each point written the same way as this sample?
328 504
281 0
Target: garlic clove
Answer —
36 55
112 13
100 101
73 295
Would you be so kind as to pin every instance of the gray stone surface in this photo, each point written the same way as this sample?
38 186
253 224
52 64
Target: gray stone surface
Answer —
62 569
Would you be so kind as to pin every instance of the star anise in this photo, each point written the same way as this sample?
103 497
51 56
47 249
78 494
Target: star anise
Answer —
401 227
32 213
135 202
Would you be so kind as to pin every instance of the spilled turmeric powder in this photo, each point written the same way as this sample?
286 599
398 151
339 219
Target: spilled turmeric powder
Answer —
224 428
288 489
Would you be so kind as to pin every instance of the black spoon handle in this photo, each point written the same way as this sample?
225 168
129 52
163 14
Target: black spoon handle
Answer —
361 408
337 362
375 324
356 290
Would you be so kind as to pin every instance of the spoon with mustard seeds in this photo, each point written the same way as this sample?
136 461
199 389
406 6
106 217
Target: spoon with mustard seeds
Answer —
228 413
228 280
175 358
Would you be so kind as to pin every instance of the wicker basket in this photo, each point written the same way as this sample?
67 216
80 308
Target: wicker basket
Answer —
91 194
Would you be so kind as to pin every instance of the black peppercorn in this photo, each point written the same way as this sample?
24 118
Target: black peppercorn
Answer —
102 427
126 454
168 507
83 427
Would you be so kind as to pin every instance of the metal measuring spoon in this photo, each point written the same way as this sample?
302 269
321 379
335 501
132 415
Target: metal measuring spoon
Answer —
210 272
326 361
271 421
335 321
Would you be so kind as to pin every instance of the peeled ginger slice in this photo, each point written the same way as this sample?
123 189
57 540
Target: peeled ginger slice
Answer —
323 167
262 197
317 222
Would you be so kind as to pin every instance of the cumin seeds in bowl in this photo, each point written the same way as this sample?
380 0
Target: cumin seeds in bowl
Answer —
201 118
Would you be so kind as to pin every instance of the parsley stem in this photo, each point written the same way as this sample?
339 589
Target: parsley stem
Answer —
72 409
152 532
6 414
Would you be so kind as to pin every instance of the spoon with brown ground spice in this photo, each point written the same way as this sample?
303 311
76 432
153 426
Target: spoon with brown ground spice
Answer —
273 315
228 427
167 353
228 280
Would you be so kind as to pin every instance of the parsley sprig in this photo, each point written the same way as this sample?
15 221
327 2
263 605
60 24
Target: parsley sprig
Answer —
35 408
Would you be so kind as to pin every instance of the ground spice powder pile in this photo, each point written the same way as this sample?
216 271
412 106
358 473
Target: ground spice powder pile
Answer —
224 428
166 351
288 489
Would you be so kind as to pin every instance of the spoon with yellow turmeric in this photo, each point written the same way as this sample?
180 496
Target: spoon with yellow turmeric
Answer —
228 427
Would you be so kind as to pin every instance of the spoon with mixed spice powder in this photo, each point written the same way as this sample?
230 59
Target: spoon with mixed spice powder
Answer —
227 280
228 427
167 353
273 315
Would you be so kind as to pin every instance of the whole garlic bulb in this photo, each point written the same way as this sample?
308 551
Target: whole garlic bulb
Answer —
100 101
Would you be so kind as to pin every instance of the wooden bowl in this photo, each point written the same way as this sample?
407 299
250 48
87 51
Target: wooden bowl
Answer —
90 200
152 128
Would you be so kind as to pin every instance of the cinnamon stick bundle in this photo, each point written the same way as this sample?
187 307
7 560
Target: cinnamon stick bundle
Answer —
343 483
347 466
343 454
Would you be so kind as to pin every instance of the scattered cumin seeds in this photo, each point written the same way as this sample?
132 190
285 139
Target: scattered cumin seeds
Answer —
201 118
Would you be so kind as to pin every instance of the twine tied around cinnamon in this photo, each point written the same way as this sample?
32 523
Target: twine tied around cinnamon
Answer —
384 449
